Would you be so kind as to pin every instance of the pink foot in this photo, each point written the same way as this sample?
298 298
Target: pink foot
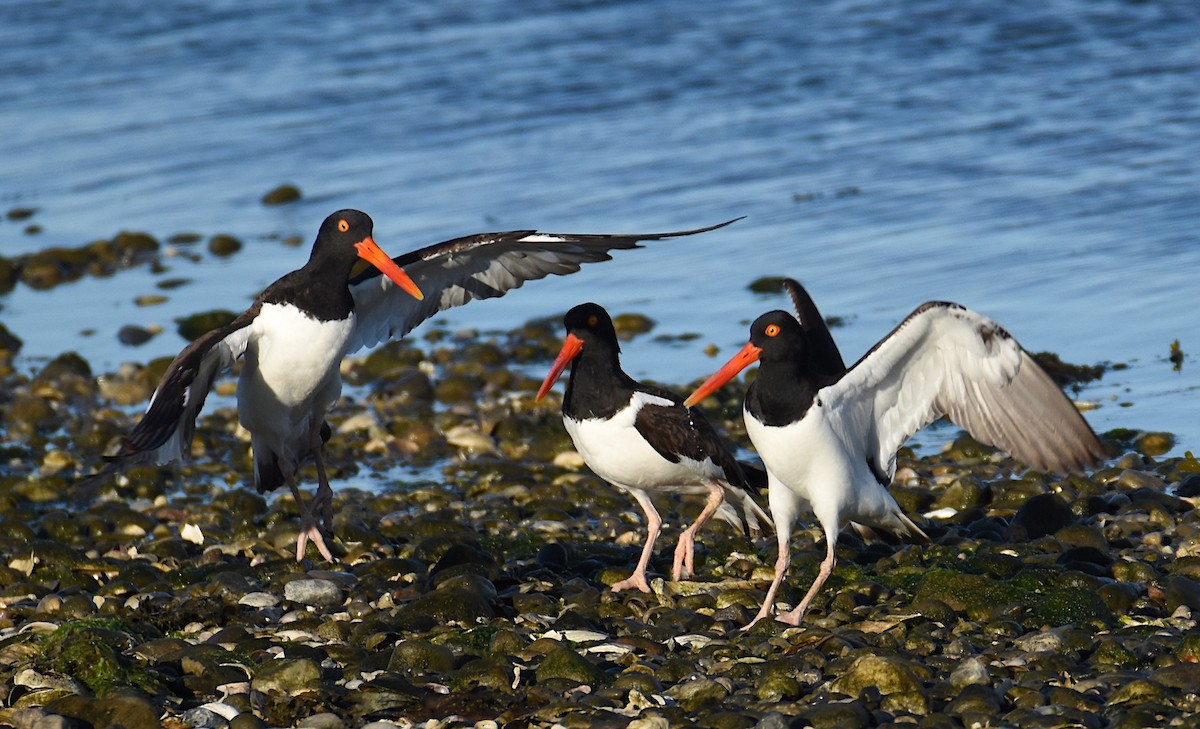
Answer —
638 580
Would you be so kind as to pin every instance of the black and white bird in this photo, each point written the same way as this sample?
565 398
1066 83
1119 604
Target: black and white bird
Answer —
642 440
829 441
293 337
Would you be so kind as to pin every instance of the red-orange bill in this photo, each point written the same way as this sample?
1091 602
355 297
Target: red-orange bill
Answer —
369 251
743 359
571 348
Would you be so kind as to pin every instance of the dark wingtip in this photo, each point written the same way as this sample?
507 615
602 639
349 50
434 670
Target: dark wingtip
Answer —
681 233
827 355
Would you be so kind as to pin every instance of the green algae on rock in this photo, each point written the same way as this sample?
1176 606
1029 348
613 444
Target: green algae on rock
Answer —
281 195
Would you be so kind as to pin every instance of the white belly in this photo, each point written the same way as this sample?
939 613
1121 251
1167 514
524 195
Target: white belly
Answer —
291 370
805 456
617 453
823 464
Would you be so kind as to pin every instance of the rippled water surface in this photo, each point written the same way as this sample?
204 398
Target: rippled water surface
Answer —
1037 161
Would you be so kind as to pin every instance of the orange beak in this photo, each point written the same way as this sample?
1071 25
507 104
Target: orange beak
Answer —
743 359
571 348
369 251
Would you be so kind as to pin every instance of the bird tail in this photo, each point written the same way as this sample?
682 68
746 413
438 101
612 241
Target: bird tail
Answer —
899 529
753 476
268 471
740 509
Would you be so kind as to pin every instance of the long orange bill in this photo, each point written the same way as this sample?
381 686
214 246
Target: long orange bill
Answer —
369 251
743 359
571 348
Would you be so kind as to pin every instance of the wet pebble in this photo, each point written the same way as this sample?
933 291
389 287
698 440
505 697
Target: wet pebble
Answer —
314 592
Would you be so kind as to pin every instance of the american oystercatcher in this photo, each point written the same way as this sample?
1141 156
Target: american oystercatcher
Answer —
297 331
641 439
829 442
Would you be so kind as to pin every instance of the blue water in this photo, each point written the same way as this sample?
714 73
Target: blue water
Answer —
1035 160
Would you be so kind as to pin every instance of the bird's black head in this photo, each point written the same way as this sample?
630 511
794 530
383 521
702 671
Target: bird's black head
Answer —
591 339
779 336
774 337
591 322
340 234
345 237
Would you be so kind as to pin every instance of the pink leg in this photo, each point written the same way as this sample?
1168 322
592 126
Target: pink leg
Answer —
322 502
685 550
783 535
308 527
653 527
324 496
794 617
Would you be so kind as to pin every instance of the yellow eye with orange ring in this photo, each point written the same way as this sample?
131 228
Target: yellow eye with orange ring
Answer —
343 225
771 330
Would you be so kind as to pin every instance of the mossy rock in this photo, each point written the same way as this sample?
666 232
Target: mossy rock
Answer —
1064 373
287 676
1072 605
887 674
451 604
695 694
222 245
489 674
68 364
963 493
129 710
563 663
95 651
629 326
766 285
196 325
282 195
420 657
1154 444
1048 599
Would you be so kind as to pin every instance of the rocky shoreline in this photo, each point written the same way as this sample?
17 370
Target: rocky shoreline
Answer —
478 598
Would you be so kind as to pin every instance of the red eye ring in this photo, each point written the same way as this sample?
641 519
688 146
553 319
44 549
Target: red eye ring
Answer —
771 330
343 225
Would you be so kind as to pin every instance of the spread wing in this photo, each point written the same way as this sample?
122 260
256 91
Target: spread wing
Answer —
481 266
165 431
946 360
826 356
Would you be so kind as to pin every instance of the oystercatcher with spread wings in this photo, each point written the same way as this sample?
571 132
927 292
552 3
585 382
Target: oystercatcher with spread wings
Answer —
641 439
829 442
294 336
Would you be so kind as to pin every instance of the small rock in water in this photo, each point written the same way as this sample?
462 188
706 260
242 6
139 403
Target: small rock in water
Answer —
281 195
131 335
222 245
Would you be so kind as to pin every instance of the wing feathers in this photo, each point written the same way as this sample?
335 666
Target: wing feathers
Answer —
165 430
945 360
825 353
481 266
